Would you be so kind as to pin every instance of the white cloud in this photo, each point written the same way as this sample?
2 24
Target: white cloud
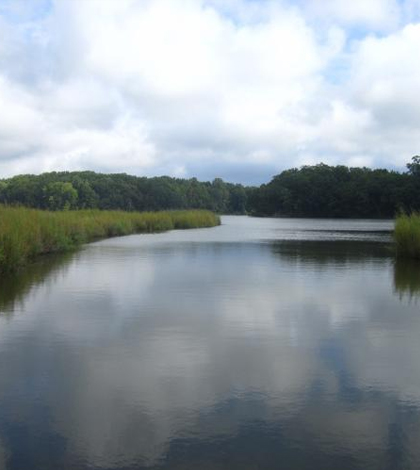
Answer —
163 87
375 14
20 121
386 74
385 80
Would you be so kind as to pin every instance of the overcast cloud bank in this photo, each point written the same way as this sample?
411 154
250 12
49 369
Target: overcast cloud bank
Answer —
239 89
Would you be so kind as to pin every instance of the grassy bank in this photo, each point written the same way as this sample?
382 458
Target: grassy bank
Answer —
27 233
407 235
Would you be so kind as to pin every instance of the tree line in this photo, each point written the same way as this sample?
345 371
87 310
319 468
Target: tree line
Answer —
310 191
90 190
338 191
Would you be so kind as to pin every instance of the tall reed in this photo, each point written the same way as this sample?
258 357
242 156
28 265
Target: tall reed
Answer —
26 233
407 235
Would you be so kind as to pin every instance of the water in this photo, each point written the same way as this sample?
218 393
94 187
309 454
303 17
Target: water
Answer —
260 344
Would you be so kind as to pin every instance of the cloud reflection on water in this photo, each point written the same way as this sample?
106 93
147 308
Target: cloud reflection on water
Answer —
220 355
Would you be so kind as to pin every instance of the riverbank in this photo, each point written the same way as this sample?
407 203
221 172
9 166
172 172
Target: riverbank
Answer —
27 233
407 235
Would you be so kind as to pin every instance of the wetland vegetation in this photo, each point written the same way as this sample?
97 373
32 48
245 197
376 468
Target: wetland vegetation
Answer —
26 233
407 235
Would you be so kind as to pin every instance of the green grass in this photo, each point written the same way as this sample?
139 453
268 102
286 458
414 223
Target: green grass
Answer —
27 233
407 235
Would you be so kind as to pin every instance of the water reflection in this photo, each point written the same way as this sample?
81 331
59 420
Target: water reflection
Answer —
2 456
339 253
407 278
217 355
15 288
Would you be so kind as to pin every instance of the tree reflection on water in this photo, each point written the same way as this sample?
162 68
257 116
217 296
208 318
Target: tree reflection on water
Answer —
407 278
14 288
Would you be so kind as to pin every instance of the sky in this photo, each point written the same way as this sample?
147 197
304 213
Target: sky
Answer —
237 89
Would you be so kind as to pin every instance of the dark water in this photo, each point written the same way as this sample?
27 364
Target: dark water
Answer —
260 344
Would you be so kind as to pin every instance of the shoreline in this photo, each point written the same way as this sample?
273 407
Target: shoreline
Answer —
26 234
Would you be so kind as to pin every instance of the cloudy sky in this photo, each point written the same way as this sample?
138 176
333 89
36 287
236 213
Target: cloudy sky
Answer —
238 89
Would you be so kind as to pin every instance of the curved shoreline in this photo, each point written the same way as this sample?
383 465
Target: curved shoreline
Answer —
27 233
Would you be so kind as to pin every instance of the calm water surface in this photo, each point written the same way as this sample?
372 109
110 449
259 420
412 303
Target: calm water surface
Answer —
260 344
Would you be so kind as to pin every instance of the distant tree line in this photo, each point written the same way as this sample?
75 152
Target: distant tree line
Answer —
310 191
87 189
338 191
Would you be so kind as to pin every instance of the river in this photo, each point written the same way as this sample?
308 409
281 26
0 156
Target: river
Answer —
259 344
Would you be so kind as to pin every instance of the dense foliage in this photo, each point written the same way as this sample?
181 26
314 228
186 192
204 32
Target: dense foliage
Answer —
338 191
310 191
26 233
89 190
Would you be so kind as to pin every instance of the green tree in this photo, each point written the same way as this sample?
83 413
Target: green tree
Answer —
219 195
60 196
414 166
237 199
87 198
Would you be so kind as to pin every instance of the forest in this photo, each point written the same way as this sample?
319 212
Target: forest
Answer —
338 191
310 191
90 190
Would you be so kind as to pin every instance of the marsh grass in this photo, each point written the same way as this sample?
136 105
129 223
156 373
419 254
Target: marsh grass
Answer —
407 235
27 233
